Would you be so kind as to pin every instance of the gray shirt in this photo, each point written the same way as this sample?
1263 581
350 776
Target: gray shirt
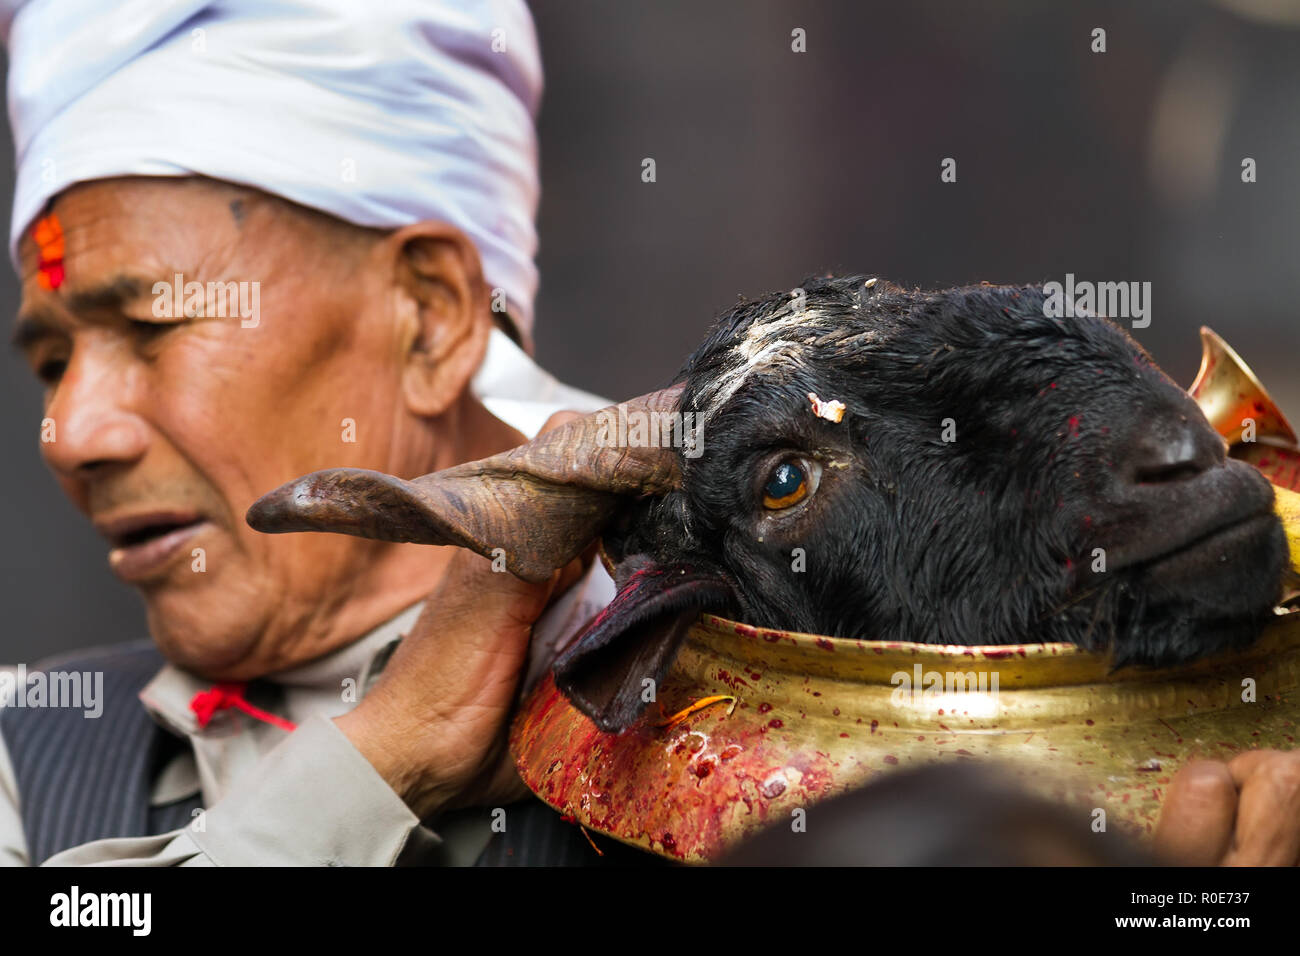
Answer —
274 798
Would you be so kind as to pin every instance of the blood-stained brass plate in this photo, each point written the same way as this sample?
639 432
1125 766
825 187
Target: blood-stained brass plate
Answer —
814 716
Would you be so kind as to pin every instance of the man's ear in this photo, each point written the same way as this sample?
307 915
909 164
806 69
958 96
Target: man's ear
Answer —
625 652
441 305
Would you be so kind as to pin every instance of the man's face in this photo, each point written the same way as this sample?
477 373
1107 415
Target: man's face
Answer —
167 427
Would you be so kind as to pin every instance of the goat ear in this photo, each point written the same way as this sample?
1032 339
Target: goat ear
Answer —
539 505
635 639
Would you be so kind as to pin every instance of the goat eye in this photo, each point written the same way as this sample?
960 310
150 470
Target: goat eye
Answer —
787 486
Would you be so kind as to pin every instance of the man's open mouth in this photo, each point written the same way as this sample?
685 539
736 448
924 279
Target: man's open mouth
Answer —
145 544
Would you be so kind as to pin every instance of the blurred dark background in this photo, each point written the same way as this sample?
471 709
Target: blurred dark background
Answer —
771 165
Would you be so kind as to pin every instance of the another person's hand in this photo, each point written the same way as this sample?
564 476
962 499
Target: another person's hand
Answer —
1245 812
434 726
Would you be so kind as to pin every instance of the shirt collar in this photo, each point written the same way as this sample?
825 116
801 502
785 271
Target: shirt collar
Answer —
167 696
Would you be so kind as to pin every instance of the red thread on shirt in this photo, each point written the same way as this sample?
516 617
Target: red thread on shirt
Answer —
206 703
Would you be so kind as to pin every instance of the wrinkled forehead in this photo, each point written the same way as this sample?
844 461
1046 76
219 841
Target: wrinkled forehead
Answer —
134 231
151 223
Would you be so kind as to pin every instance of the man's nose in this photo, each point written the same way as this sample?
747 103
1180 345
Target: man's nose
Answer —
94 424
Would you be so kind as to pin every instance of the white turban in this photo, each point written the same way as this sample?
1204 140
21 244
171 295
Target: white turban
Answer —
379 112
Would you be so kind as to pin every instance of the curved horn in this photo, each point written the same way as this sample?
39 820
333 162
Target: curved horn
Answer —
539 504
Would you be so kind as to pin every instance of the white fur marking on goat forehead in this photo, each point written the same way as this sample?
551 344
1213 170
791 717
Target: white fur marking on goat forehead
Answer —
762 348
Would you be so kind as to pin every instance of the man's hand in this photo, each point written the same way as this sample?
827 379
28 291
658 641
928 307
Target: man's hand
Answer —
1242 813
435 724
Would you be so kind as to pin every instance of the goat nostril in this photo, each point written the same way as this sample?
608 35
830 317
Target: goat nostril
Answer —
1179 471
1170 452
1173 449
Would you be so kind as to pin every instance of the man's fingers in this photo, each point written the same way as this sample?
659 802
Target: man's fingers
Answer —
1244 765
1196 822
1268 809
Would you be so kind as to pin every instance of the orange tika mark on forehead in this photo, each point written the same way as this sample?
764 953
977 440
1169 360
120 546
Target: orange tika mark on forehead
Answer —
48 234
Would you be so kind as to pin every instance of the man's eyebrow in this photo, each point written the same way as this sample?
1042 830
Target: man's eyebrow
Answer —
113 293
110 294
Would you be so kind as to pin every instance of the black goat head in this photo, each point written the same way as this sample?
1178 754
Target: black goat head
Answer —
953 467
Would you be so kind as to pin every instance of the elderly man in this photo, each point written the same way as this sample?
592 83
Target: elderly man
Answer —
260 239
257 240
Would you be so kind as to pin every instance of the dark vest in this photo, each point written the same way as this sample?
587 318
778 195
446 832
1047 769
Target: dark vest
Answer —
82 779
